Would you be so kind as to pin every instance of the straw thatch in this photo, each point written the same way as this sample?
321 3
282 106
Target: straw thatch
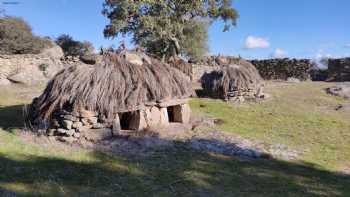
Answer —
182 65
233 80
112 86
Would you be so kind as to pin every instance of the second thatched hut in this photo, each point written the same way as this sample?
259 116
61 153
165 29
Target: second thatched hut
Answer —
119 93
235 79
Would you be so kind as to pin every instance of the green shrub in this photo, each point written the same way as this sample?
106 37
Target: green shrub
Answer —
16 37
73 47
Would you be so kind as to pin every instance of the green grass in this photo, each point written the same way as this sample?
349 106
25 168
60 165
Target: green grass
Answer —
29 168
301 116
32 170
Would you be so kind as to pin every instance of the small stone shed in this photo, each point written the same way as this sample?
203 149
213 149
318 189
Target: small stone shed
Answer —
119 93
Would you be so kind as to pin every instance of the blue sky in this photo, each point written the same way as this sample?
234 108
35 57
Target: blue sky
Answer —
266 28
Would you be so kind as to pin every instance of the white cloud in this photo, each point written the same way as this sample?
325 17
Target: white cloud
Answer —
318 59
252 42
279 53
347 45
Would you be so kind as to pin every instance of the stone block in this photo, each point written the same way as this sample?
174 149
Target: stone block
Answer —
164 118
61 131
92 120
153 116
116 125
77 125
70 132
67 124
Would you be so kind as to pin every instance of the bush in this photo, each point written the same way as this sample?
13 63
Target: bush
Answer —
72 47
16 37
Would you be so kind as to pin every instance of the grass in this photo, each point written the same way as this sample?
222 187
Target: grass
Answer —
301 116
31 169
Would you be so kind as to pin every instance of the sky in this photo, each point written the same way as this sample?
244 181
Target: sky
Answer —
266 28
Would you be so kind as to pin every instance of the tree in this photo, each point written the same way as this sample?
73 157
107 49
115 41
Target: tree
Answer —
72 47
16 37
167 27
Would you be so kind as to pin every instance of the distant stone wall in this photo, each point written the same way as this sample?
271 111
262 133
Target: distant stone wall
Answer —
198 70
283 69
271 69
339 69
30 68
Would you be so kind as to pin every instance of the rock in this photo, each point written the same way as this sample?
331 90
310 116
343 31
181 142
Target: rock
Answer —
89 59
69 140
341 89
344 107
182 113
62 131
55 52
77 125
293 80
4 82
92 120
20 78
76 135
31 69
133 58
97 126
85 121
70 132
67 124
96 134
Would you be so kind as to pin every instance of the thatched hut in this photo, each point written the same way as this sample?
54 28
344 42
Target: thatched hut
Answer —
235 79
124 91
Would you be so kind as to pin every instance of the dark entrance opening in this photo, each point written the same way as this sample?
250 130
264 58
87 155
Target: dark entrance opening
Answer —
171 113
125 120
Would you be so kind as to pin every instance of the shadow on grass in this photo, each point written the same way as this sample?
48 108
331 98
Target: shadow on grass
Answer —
176 172
11 117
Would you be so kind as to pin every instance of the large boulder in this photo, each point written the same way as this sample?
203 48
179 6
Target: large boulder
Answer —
31 69
341 89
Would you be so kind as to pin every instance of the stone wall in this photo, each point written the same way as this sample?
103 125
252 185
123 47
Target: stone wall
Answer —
283 69
72 126
30 68
339 69
198 70
271 69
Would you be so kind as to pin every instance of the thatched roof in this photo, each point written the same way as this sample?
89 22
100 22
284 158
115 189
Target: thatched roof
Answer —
112 86
240 77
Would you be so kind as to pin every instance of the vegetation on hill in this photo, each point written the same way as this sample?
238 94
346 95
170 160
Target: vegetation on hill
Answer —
168 28
16 37
73 47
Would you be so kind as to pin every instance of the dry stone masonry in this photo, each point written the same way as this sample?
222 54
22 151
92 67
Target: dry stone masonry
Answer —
339 69
282 69
71 126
